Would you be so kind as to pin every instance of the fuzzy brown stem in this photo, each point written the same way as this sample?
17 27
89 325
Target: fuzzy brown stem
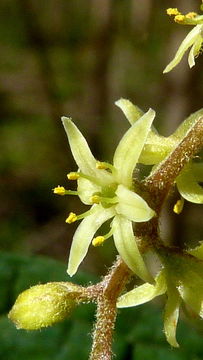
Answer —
110 288
103 332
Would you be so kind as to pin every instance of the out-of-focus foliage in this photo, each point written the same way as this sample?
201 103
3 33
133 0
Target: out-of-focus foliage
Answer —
75 58
141 337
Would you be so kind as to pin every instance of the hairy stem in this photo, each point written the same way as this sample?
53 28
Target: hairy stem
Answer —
110 288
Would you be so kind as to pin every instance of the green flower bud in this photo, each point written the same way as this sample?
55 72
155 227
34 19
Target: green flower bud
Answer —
44 305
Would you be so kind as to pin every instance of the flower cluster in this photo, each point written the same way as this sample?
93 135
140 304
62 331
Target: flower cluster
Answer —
194 39
110 190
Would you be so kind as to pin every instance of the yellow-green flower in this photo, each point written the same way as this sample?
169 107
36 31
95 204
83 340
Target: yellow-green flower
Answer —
194 39
157 148
181 279
110 191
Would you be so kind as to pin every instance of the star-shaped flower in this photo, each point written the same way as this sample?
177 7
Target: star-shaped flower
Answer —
110 191
181 279
194 39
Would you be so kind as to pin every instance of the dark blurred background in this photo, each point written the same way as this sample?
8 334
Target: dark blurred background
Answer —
76 58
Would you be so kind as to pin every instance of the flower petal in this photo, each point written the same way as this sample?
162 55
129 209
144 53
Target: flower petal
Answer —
126 245
197 169
186 125
86 189
194 52
197 252
191 290
187 42
131 111
171 315
84 235
130 147
188 186
186 273
82 153
156 148
143 293
132 206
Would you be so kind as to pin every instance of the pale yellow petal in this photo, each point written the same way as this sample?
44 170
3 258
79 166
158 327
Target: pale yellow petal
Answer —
82 153
84 235
185 45
131 111
132 206
188 186
129 149
171 315
143 293
126 245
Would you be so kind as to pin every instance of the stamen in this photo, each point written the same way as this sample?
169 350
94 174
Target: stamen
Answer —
173 11
95 199
191 15
76 175
178 207
86 213
60 190
100 165
99 240
179 18
72 217
71 192
73 176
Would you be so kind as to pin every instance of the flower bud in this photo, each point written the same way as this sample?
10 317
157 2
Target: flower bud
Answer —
44 305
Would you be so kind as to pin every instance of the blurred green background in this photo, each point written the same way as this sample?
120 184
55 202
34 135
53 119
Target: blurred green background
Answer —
76 58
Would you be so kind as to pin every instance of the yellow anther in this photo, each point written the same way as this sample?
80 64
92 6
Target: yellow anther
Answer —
178 207
95 199
73 176
173 11
59 190
179 18
101 165
72 217
191 15
97 241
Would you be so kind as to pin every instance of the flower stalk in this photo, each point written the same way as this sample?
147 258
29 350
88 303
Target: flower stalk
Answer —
109 290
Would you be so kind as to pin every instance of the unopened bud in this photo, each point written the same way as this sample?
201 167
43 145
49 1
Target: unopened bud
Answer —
44 305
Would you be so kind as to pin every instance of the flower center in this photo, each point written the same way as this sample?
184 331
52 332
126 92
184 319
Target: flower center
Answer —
106 197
